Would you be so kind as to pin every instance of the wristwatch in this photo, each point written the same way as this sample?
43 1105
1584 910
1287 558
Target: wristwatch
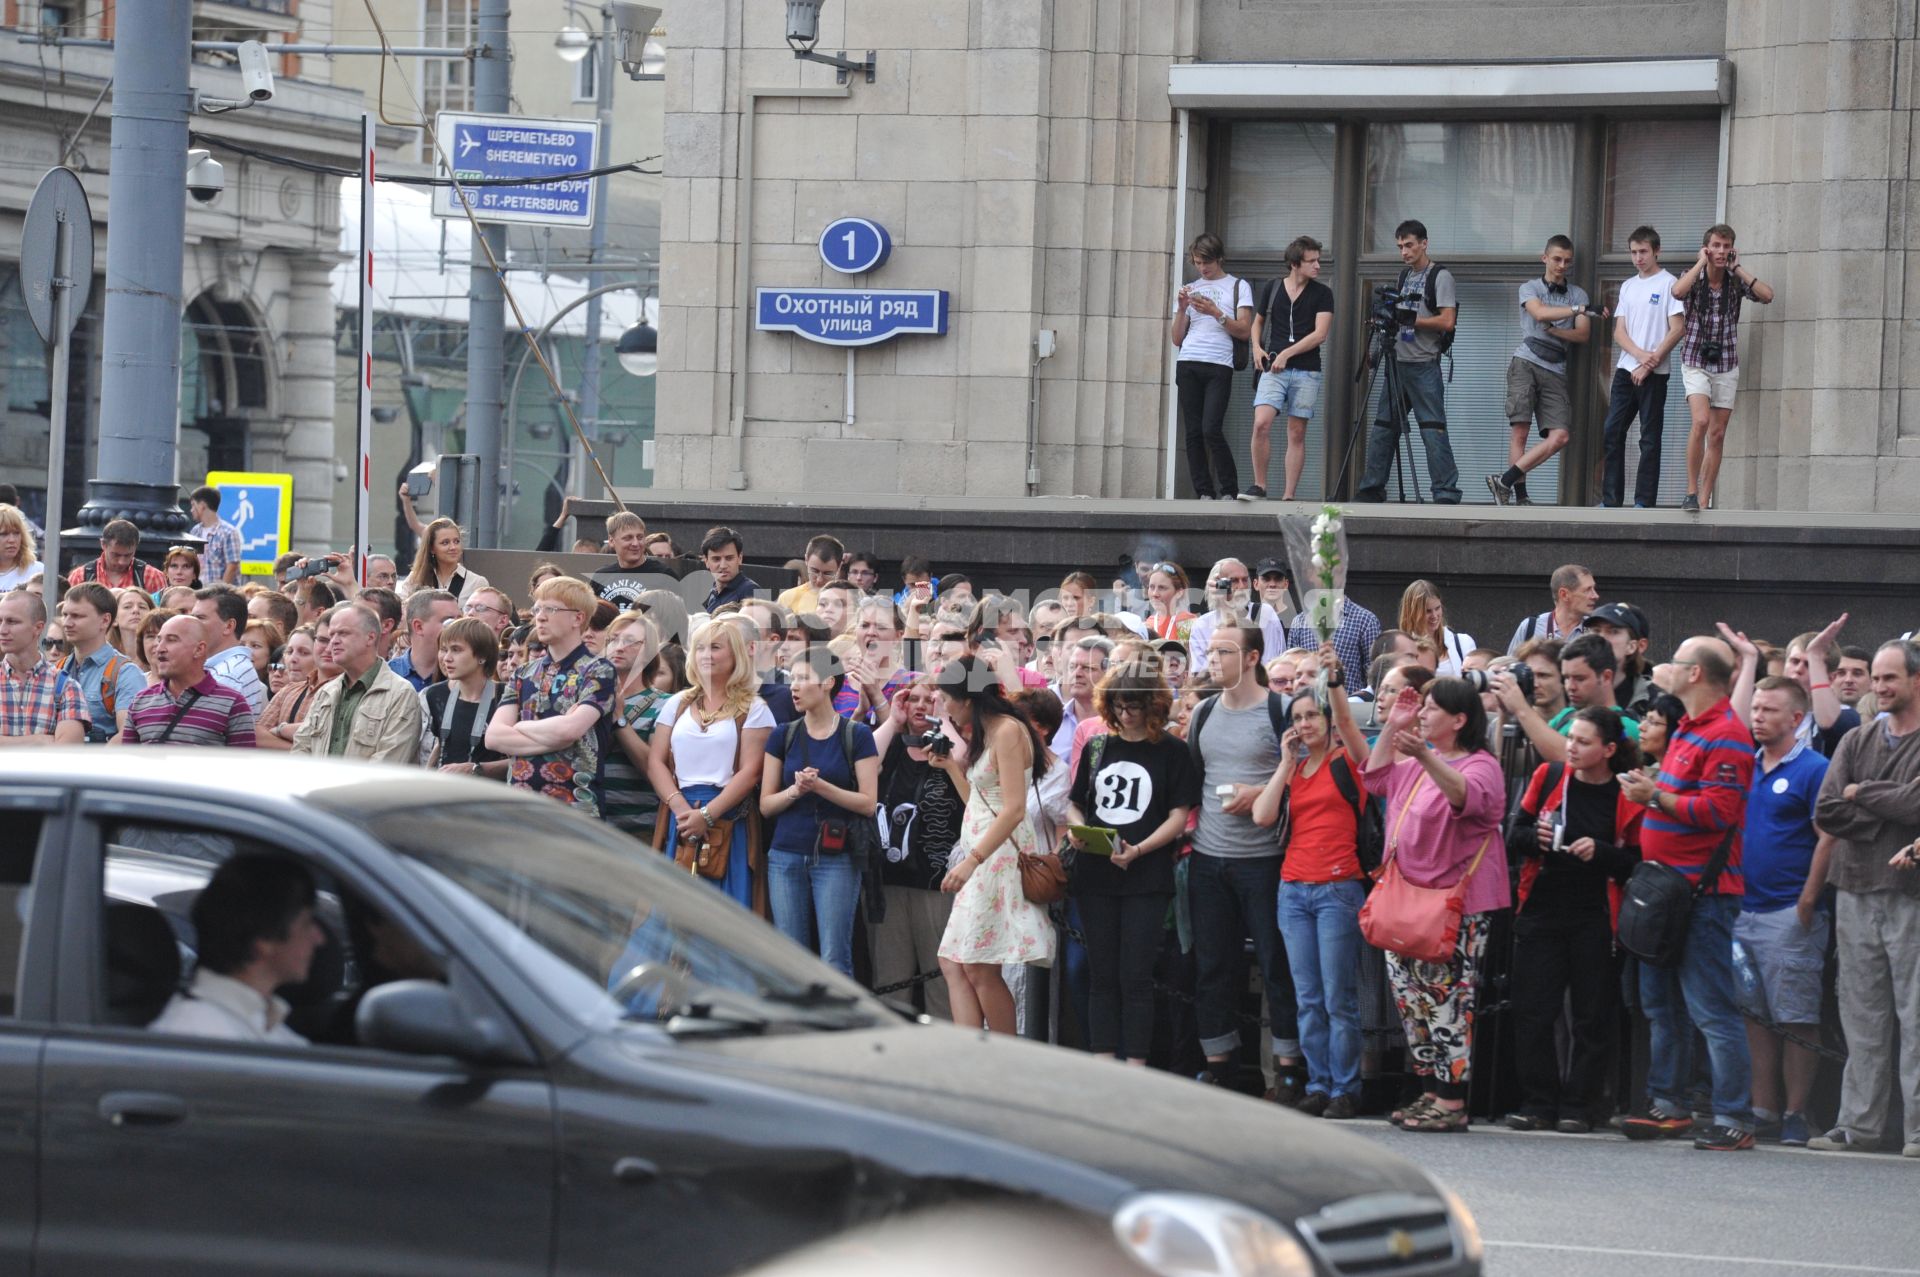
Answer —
706 813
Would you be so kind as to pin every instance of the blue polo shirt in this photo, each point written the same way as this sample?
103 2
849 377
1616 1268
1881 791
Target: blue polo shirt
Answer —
403 666
1779 832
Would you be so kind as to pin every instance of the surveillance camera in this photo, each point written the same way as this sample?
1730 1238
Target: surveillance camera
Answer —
205 176
256 71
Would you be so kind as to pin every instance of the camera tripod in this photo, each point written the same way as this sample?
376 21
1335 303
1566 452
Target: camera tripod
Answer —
1378 355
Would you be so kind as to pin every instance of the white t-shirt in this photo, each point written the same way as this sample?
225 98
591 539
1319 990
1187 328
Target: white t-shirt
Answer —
705 756
1207 342
14 578
1645 305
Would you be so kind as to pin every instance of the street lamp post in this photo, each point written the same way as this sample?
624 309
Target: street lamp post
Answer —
596 245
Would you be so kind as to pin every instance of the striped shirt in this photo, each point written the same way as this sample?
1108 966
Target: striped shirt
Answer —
218 715
1709 767
36 704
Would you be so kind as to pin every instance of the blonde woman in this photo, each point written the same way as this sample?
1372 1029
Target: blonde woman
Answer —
437 563
19 558
130 608
1424 616
715 737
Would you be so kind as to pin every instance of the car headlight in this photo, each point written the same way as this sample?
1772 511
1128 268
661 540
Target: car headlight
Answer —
1464 1227
1190 1235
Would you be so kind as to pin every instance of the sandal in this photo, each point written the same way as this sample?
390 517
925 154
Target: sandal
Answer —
1420 1106
1437 1121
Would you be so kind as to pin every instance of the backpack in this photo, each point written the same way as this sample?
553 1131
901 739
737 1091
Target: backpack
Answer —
1242 346
91 572
1433 306
1276 716
1369 819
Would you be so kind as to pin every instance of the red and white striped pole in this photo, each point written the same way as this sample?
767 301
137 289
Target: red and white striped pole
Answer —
364 469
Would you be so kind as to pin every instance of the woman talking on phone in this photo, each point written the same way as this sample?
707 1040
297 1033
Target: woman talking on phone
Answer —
1141 783
1444 799
993 922
1322 885
1575 835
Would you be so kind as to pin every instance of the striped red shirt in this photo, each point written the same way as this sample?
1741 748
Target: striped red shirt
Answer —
218 716
1709 768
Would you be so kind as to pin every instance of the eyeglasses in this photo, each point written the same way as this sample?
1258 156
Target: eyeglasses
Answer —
548 609
471 608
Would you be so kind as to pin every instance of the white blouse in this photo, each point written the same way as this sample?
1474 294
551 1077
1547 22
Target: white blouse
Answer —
704 755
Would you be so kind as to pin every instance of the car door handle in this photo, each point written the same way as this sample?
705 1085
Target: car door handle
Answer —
635 1170
142 1108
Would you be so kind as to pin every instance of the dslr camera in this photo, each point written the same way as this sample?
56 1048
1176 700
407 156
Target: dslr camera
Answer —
934 741
1520 672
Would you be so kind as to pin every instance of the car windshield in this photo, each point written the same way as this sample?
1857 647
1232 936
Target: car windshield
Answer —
607 929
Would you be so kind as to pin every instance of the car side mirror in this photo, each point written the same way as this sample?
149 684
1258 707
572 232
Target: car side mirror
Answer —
423 1017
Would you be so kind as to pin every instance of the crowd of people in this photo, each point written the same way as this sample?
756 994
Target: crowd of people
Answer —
1222 324
940 788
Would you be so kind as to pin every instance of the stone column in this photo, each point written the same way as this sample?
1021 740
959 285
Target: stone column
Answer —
307 401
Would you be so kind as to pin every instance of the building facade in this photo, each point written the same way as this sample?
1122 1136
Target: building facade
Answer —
1045 161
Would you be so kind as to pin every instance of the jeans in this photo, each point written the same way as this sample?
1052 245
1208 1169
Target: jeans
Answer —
1234 900
1700 988
1422 390
739 880
1123 939
1320 922
1554 955
1204 391
811 893
1648 401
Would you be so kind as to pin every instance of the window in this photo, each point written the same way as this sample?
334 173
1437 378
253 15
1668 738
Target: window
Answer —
1663 174
446 84
586 82
1485 187
19 846
1279 186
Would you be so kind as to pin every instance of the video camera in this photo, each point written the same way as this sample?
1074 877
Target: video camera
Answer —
1391 309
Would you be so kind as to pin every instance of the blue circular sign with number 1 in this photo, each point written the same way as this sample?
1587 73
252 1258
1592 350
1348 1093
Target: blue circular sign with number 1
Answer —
854 245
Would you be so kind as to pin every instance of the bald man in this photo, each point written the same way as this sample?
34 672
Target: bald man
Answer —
187 706
1695 809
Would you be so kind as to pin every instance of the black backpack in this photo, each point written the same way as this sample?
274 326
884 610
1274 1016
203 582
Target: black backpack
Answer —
1433 304
1242 346
1369 817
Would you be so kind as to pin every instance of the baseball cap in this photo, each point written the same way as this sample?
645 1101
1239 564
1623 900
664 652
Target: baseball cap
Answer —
1271 567
1624 615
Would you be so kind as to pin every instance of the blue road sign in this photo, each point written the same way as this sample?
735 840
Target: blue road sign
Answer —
260 509
851 316
494 146
854 245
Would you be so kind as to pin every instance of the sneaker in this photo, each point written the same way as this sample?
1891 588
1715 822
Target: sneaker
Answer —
1723 1139
1573 1126
1768 1132
1655 1127
1690 503
1313 1104
1526 1122
1502 494
1908 1150
1255 493
1341 1109
1520 497
1285 1091
1838 1140
1793 1130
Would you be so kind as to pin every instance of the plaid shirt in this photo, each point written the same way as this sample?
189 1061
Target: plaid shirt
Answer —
220 546
36 704
1713 314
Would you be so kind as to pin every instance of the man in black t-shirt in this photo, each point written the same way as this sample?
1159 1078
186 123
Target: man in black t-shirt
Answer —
633 571
1294 320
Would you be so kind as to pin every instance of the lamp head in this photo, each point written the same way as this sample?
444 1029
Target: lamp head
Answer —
572 44
633 26
803 24
638 350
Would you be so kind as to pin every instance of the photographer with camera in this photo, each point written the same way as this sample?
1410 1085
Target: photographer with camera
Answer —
1294 321
1424 311
1586 674
1712 289
1553 313
1210 315
1230 602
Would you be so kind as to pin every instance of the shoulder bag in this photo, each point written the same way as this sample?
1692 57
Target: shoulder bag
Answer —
1421 924
1656 906
1043 879
704 855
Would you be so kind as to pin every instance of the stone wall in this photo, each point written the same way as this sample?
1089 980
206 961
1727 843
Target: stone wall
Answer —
1019 151
1820 189
1431 30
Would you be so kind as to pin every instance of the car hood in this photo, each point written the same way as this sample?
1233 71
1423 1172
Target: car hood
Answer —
1143 1128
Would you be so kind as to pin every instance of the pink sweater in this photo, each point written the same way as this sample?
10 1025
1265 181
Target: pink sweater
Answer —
1435 844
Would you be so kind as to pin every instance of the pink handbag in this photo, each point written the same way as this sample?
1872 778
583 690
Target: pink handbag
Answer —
1421 924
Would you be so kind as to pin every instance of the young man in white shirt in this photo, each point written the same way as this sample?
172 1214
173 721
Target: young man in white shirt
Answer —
1649 322
253 923
223 610
1210 314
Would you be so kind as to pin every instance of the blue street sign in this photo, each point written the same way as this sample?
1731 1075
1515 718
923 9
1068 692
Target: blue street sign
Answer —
493 146
260 508
854 245
850 316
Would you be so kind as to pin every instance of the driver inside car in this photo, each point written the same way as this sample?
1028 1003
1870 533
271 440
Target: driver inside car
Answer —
257 932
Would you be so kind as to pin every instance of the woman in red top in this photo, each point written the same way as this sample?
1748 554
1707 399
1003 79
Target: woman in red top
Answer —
1322 887
1167 615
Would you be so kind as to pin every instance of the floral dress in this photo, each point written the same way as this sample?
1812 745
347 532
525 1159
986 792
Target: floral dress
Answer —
993 921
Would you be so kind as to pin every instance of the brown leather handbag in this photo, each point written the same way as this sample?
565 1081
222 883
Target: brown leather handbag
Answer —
704 855
1043 878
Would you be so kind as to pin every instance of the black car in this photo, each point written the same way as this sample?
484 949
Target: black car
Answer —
535 1047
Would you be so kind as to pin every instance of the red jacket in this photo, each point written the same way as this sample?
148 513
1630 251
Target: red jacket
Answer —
1538 801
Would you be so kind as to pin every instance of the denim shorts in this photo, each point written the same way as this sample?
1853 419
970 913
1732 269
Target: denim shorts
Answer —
1789 960
1292 392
